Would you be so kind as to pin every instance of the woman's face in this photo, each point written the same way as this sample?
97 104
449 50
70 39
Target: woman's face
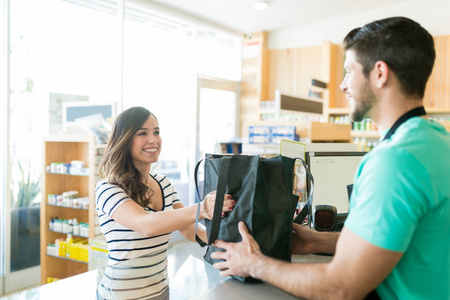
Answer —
146 143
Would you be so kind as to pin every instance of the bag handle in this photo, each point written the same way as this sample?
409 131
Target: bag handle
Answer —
220 194
307 207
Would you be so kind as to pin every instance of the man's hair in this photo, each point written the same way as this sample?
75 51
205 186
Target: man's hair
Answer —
405 46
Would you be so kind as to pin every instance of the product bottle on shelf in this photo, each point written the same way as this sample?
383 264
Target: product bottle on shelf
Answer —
76 227
70 226
69 242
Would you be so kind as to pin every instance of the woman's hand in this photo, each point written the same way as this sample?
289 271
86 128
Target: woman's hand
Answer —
207 205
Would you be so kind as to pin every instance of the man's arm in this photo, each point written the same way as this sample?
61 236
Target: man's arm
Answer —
307 241
357 267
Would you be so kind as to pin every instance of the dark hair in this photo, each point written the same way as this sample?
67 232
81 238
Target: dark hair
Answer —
405 46
116 164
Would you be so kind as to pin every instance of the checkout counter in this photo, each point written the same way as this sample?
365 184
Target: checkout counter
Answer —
190 277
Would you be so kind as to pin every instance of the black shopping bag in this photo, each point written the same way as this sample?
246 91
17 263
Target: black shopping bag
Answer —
263 190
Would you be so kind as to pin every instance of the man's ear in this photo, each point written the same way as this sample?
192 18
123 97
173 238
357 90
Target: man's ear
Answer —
380 73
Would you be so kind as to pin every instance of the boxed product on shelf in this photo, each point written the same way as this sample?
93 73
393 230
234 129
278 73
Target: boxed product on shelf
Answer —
75 167
259 134
98 254
266 134
259 139
279 132
259 130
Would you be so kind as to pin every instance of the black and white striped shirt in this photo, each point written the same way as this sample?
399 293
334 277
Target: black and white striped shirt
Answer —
137 278
124 243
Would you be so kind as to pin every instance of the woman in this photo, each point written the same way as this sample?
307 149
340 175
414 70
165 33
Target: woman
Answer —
137 210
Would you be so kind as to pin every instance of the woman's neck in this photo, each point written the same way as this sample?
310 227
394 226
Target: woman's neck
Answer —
144 172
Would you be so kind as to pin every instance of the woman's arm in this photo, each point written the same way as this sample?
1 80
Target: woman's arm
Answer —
132 216
189 231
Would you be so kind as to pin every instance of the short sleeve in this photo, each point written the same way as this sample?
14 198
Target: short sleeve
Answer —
109 197
387 200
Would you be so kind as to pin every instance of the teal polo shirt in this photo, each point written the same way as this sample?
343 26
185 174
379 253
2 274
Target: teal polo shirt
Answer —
401 202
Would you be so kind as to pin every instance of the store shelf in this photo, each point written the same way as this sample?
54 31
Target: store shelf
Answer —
68 174
68 259
339 111
64 233
312 131
346 110
365 133
66 148
60 206
437 110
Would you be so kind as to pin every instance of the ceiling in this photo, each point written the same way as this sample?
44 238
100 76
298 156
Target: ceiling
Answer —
240 15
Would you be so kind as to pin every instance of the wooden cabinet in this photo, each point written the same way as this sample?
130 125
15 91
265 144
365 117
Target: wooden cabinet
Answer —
291 71
311 131
65 149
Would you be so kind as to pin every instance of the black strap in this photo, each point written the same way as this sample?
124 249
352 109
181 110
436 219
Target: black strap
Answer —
199 240
307 207
416 112
220 195
373 295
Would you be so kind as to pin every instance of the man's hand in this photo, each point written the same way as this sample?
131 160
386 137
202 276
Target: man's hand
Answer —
239 258
302 240
307 241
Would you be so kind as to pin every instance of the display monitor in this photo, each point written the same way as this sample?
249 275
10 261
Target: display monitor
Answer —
76 110
332 172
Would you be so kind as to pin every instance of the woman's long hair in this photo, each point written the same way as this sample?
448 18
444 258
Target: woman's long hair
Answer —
116 164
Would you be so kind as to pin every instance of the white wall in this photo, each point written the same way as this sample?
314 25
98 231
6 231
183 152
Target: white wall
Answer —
433 15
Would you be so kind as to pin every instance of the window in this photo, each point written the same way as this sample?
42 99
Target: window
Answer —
159 74
219 53
61 50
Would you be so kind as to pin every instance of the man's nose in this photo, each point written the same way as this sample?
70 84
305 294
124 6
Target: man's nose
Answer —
343 85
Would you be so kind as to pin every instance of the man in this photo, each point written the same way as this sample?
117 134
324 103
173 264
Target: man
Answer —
396 237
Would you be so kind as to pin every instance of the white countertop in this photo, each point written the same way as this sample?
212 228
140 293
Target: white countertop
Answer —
190 277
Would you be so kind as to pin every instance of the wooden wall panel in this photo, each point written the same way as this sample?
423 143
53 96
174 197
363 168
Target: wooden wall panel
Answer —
339 101
255 77
437 93
291 70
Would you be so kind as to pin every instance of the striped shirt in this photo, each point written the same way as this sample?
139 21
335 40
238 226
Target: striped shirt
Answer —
124 243
138 278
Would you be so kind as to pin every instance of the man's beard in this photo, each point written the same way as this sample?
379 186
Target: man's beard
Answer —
363 102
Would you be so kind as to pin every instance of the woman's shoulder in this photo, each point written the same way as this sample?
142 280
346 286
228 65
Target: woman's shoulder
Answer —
160 177
105 184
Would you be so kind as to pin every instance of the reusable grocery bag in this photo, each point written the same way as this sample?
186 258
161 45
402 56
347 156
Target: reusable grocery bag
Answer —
263 190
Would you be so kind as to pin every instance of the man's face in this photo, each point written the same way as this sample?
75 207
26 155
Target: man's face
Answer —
357 89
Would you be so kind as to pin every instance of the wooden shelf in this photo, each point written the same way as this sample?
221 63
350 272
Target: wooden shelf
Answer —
66 148
339 111
315 131
346 110
69 259
67 207
365 133
67 174
74 235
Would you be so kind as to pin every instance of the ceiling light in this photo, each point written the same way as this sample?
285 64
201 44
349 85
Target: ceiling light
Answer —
260 5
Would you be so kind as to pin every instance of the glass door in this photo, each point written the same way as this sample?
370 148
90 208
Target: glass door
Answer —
218 114
4 70
48 55
218 121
